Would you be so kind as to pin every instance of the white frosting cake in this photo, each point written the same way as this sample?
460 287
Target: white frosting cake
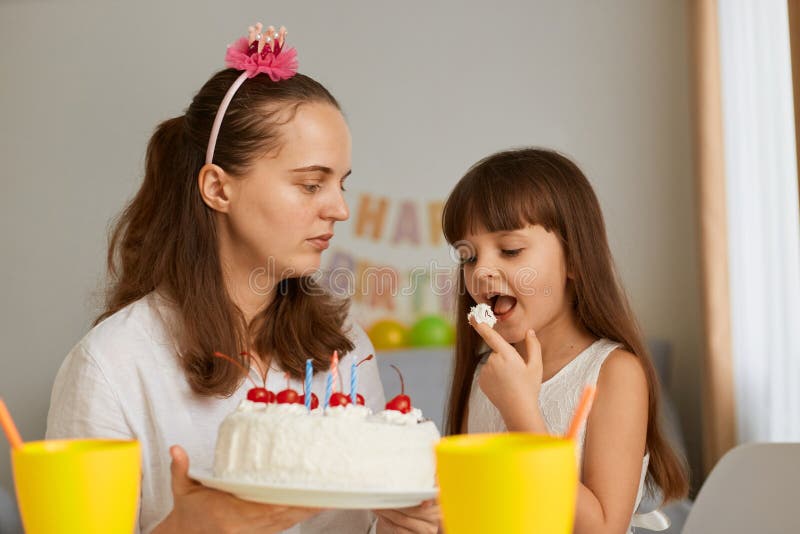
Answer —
482 313
344 447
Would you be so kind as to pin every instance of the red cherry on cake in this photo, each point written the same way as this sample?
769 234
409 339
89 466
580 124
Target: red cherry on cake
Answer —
288 396
402 402
260 395
360 399
339 399
314 400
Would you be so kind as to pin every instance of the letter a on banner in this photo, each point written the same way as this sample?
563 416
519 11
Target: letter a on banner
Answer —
407 228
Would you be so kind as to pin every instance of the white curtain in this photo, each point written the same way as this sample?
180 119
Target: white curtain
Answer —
763 228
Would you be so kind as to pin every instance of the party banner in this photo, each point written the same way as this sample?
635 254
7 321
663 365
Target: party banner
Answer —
391 259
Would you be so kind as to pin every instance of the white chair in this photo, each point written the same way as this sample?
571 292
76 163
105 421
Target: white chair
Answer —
754 489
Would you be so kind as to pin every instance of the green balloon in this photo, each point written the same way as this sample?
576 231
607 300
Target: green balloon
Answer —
432 331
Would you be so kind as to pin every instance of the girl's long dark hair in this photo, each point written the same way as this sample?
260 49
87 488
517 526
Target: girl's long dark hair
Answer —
511 189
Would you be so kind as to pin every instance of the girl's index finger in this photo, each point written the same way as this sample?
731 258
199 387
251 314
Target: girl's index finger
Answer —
491 337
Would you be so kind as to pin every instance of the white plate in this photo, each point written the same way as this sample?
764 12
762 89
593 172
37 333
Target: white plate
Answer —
315 497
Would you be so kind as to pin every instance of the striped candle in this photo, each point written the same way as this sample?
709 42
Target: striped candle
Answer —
332 375
328 387
354 382
335 369
309 375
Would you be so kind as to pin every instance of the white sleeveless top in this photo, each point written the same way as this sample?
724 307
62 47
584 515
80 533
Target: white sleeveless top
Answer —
558 400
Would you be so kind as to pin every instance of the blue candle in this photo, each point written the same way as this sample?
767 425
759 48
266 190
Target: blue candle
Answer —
328 387
309 375
354 382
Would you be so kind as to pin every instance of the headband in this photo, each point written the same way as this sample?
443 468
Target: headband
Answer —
253 55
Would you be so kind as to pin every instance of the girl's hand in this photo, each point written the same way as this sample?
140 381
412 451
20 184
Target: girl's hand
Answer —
418 519
198 509
512 383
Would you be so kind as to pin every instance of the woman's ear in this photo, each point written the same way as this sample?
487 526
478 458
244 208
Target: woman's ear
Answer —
215 187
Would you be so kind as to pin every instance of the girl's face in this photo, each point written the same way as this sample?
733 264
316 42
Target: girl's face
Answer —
283 210
521 274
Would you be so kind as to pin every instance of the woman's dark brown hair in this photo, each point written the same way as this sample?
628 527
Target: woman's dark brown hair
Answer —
512 189
165 239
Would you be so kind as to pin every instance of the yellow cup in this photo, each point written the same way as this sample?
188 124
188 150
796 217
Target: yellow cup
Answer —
509 483
84 485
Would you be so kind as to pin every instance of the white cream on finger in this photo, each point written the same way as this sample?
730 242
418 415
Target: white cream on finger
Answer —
482 313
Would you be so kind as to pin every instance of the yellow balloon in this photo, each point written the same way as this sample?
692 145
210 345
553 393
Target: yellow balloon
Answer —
388 334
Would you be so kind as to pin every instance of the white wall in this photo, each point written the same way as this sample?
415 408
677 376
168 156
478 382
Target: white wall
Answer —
428 88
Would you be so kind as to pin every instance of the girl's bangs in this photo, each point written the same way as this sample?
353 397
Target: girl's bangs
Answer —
495 199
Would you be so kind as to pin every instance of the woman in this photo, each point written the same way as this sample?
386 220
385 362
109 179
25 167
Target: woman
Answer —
214 254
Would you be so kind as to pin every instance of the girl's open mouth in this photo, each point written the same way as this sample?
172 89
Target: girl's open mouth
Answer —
503 305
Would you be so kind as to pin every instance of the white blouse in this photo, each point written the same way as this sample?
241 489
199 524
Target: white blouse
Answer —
124 380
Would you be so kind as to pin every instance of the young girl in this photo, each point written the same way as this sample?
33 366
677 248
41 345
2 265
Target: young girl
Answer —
214 253
531 237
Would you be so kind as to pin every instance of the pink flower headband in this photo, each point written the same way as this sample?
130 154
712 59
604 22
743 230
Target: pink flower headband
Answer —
255 54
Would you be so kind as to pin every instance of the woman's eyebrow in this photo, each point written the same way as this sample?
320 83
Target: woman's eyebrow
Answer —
320 168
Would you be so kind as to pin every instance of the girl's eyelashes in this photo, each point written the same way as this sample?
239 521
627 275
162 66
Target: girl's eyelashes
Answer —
509 253
341 185
505 252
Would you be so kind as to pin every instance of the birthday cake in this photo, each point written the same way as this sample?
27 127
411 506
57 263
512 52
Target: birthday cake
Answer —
343 447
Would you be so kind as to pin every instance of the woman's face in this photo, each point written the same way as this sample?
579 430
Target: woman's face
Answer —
521 274
283 209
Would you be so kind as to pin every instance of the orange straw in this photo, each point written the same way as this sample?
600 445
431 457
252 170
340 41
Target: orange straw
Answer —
9 427
582 412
